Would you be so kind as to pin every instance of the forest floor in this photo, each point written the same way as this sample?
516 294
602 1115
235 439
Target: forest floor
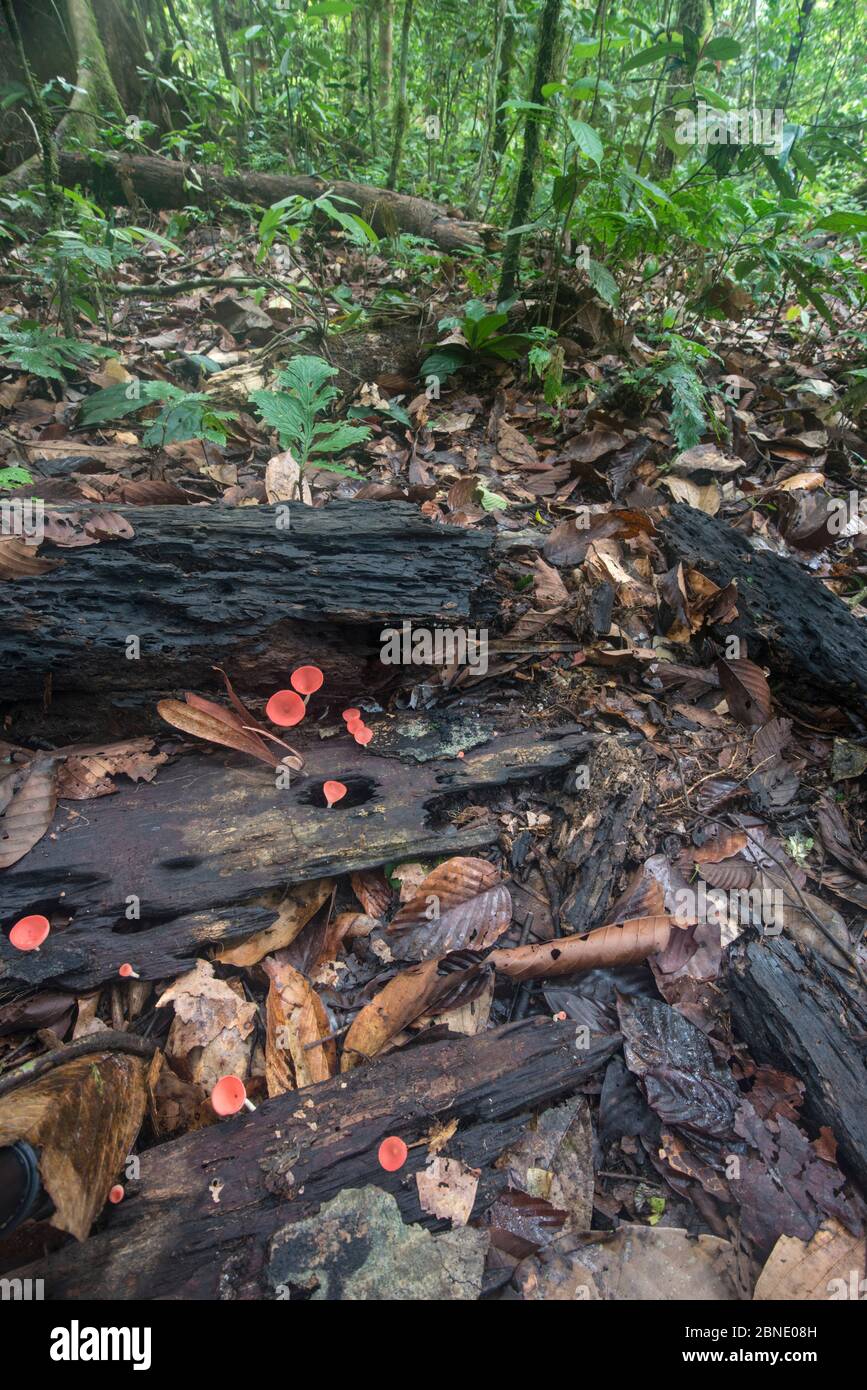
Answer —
546 979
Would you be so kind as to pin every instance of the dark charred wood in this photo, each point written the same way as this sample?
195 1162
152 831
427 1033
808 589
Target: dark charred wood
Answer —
171 1239
788 618
253 589
213 831
798 1014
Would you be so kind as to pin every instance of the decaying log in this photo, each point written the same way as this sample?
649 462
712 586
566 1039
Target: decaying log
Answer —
172 1237
213 831
169 183
788 618
247 588
797 1013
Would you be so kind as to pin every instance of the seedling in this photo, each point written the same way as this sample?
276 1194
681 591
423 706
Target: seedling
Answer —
230 1095
29 933
333 791
392 1153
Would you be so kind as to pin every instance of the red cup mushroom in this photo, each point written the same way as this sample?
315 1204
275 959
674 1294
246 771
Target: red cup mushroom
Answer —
333 791
362 734
351 716
392 1153
285 708
229 1096
116 1193
29 933
306 680
126 972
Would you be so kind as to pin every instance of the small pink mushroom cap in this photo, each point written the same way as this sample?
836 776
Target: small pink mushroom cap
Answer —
29 933
351 716
333 791
126 971
117 1193
307 680
285 708
361 734
392 1153
228 1095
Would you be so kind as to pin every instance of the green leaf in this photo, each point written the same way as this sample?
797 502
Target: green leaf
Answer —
843 221
586 139
603 282
722 49
650 55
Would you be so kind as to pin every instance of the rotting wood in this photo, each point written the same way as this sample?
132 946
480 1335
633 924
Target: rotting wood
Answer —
175 1237
253 589
213 831
169 183
788 618
796 1012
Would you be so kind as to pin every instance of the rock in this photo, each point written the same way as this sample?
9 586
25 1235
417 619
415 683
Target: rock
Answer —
357 1248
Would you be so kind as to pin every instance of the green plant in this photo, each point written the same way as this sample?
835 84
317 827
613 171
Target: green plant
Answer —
14 477
183 414
25 345
292 411
475 336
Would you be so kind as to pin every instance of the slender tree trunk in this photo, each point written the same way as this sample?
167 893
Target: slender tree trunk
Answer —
386 46
50 180
527 176
401 108
371 83
222 45
504 74
695 15
499 15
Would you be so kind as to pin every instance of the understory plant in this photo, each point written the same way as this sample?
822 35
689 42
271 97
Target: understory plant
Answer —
293 411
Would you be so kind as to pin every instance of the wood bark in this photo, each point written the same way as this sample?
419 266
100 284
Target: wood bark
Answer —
252 589
802 1016
170 1239
214 831
166 183
788 618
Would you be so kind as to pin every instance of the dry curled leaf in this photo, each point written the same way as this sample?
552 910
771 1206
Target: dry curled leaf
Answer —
746 689
294 910
18 560
205 724
460 905
434 984
294 1018
210 1032
29 812
626 944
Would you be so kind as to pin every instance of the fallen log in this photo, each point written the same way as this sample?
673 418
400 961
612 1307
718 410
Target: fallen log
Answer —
213 832
788 618
169 183
797 1013
246 588
173 1238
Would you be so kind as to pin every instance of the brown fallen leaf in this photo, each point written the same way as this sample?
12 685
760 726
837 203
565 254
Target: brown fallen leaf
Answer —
29 812
294 910
210 1032
19 560
806 918
746 689
82 1118
626 944
176 1106
445 983
447 1189
460 905
295 1017
90 773
206 725
830 1266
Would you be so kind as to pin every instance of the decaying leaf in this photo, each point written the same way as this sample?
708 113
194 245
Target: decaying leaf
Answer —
29 812
831 1265
625 944
19 560
210 1032
746 690
294 909
82 1118
461 905
295 1017
805 917
434 984
447 1189
90 772
192 719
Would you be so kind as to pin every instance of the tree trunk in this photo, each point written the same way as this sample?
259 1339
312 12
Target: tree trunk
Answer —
386 49
222 45
401 109
170 1239
161 183
695 15
527 176
504 78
